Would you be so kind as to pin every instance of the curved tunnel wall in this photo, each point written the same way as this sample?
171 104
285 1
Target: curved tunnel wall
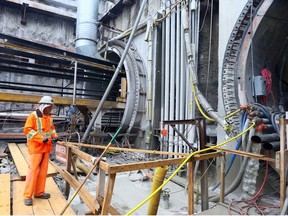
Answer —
251 46
136 87
267 48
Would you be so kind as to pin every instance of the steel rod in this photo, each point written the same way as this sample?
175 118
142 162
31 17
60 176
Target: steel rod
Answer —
118 69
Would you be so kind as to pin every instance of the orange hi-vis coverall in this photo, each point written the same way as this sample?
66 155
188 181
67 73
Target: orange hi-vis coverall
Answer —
37 128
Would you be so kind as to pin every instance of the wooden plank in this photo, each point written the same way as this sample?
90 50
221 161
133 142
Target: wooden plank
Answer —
18 200
57 200
111 209
125 149
246 154
19 160
24 150
108 194
42 207
206 156
4 194
142 165
92 204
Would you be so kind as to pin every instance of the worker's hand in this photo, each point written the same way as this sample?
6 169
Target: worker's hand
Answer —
45 140
55 139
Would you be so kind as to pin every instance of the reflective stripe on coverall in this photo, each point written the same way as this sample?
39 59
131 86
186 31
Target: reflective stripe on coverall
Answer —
36 129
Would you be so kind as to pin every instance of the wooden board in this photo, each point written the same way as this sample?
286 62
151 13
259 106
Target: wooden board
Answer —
19 160
18 200
57 200
4 194
52 206
24 150
20 156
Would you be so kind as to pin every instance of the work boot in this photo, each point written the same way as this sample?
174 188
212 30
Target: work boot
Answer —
43 196
28 202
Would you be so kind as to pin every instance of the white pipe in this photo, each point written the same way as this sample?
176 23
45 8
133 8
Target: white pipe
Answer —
178 69
167 72
149 83
182 86
172 74
163 57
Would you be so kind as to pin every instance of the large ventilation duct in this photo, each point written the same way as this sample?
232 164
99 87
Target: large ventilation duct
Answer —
87 28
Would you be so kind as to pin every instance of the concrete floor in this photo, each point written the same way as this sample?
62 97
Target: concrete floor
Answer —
130 190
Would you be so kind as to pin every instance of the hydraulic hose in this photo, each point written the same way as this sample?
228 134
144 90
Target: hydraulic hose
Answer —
183 163
239 141
240 173
199 98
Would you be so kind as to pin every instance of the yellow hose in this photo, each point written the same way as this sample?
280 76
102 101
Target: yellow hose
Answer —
183 163
157 181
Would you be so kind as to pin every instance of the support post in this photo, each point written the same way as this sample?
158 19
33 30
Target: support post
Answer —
108 194
190 181
203 166
68 168
282 162
222 178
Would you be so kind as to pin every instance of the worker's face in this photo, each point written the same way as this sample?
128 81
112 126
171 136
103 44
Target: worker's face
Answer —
47 110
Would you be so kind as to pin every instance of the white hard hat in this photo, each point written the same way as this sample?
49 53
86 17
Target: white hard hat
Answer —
46 100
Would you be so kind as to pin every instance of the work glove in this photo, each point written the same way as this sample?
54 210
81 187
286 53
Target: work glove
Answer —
55 139
45 140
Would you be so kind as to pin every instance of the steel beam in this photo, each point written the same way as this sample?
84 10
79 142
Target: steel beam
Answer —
46 8
28 98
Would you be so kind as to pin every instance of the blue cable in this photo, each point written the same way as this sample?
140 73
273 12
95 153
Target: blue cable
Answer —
232 158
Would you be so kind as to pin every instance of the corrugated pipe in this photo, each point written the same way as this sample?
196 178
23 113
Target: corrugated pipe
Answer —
157 182
87 28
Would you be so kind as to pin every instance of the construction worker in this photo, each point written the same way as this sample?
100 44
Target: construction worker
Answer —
40 132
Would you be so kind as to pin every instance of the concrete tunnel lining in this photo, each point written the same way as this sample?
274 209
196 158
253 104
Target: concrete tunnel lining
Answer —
263 49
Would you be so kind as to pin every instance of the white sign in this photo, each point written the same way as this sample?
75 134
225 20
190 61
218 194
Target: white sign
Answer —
61 153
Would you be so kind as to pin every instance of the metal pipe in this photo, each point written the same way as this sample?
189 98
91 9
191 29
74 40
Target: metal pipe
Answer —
269 137
75 83
128 31
87 28
177 83
167 73
271 145
202 100
163 57
172 73
118 69
182 71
